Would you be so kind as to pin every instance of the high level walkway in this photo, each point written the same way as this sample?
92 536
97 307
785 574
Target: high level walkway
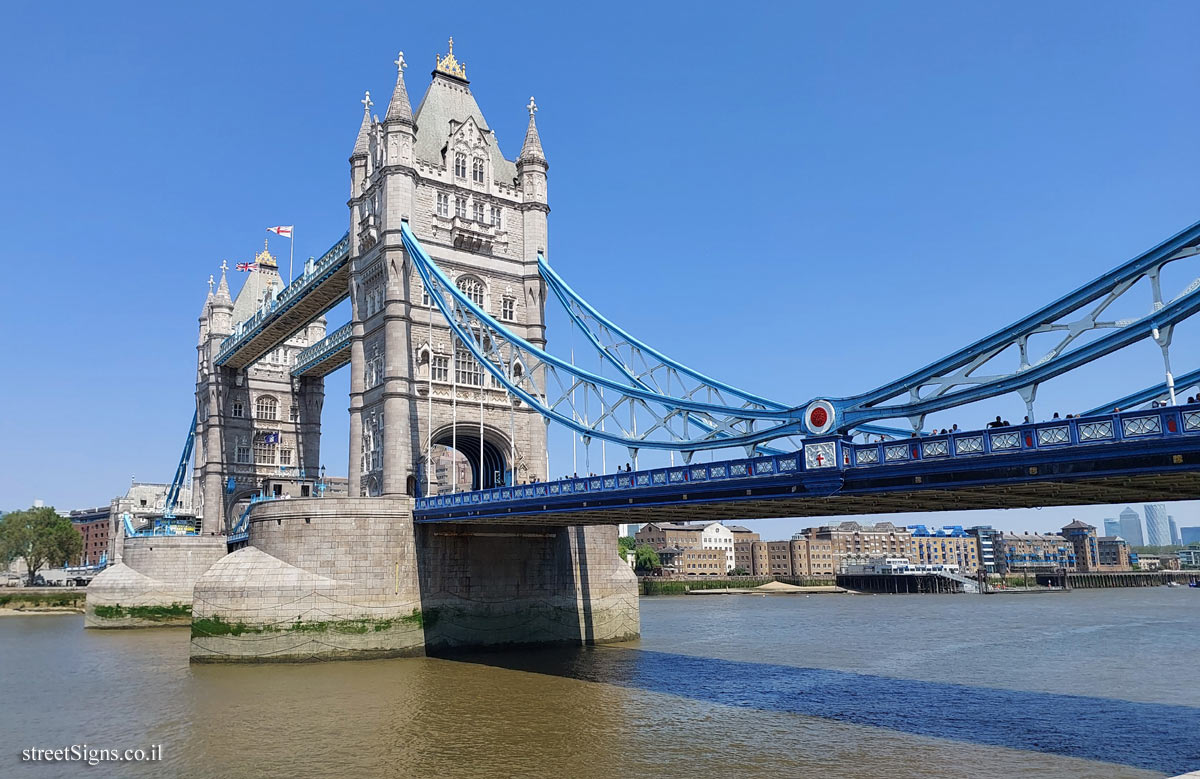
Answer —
324 283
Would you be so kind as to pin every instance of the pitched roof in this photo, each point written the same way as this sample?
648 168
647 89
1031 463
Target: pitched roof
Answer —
1077 525
450 100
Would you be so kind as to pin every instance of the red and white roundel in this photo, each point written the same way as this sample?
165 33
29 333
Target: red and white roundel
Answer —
819 417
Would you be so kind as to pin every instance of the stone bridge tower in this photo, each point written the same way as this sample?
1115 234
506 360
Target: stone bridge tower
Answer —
482 218
259 426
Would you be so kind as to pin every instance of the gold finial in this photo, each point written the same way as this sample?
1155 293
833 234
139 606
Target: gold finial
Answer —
265 258
449 65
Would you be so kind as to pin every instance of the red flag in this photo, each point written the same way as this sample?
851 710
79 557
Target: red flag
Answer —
284 230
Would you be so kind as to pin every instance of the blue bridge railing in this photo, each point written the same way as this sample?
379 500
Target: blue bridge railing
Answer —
839 454
321 350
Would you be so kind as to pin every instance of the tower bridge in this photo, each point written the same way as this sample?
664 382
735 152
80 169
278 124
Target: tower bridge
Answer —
446 267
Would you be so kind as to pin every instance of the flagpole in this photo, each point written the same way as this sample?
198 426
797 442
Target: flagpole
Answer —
291 252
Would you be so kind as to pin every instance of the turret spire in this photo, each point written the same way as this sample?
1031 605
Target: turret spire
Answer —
223 296
364 130
532 150
399 109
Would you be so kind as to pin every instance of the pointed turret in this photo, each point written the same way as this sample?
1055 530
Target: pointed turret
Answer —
207 300
362 143
223 298
399 109
532 150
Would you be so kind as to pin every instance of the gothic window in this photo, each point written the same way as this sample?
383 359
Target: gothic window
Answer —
285 456
472 288
478 211
266 407
264 450
372 444
467 369
425 301
374 367
441 368
238 410
294 413
443 204
460 207
496 213
477 170
508 308
460 165
243 455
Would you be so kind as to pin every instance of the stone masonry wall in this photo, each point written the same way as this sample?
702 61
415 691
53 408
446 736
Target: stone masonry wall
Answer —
322 578
505 585
152 585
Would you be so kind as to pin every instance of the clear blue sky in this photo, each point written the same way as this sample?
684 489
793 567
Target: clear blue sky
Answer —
818 197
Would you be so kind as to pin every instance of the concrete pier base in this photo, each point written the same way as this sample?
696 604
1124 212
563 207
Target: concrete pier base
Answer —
320 579
348 578
152 585
503 585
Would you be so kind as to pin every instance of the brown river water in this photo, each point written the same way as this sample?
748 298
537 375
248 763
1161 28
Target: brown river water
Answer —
1099 683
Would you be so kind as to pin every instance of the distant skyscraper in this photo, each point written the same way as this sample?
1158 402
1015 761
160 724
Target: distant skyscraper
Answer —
1158 529
1112 527
1189 535
1174 530
1131 527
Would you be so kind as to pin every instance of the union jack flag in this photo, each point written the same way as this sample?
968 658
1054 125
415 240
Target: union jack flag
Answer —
247 266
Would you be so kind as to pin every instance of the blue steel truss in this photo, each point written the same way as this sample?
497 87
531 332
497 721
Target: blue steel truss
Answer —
659 403
1183 385
650 369
181 471
595 406
961 377
824 465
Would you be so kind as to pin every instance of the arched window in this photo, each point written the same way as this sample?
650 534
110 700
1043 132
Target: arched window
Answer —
460 165
266 407
477 170
472 288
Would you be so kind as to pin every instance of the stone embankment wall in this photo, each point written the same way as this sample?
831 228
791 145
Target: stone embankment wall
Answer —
496 585
321 578
152 585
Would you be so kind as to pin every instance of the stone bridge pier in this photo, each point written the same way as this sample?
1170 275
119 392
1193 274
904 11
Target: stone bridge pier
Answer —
335 578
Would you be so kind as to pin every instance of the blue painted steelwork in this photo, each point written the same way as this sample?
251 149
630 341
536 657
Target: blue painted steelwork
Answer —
1159 392
329 347
646 367
518 365
337 257
160 527
937 386
181 471
823 465
241 529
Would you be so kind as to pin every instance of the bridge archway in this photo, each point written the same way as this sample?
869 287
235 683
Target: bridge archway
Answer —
463 451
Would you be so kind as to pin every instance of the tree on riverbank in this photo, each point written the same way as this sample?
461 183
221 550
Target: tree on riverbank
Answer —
625 545
40 537
645 558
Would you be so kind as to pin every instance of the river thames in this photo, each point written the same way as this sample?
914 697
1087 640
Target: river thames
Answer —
1098 683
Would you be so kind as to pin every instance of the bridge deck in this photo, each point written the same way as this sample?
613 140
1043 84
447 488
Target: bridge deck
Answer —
1118 458
327 355
323 285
